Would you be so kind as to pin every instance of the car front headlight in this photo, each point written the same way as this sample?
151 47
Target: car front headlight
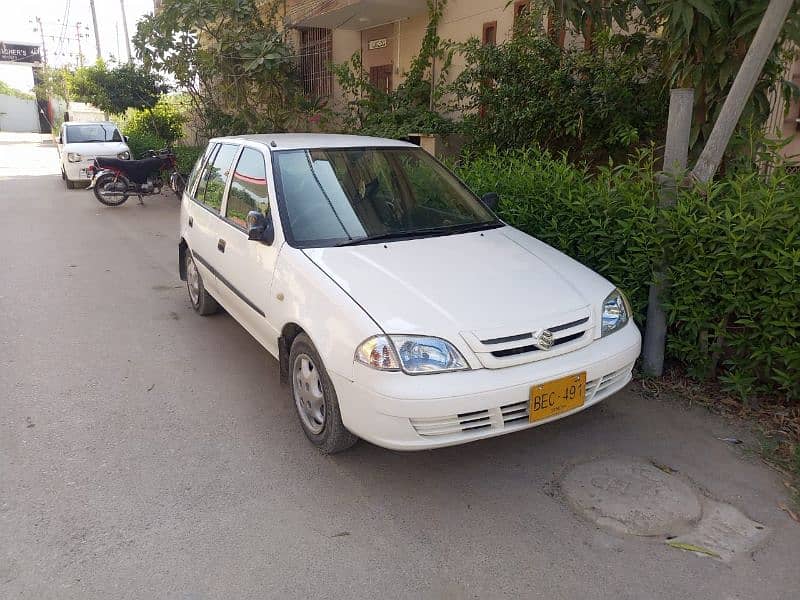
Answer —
616 312
124 155
415 355
73 157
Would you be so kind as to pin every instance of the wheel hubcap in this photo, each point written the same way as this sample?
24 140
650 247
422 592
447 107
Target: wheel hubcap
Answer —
193 281
308 394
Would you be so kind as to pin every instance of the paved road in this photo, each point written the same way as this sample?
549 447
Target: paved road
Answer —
147 452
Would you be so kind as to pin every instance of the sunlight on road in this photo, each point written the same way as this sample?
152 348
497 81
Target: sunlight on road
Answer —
27 155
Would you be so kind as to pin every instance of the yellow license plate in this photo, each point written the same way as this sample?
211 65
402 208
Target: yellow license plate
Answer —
557 396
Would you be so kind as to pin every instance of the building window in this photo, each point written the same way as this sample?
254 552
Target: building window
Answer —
520 9
316 56
489 36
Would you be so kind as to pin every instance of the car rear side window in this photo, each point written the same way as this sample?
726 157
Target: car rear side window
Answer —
197 168
248 188
215 175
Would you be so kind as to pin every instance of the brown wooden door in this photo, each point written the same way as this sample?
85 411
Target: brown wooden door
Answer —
381 77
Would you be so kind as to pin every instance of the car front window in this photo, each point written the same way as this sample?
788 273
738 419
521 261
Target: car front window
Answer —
92 132
352 195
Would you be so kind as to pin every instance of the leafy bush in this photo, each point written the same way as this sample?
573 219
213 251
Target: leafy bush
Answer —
153 129
414 106
733 248
186 156
592 103
141 142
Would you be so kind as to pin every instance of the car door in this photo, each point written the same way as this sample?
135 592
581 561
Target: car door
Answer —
203 214
247 265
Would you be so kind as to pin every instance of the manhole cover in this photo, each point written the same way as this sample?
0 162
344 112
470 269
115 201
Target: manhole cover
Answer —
633 497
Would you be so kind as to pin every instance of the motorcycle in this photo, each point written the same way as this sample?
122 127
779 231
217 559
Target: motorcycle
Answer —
115 180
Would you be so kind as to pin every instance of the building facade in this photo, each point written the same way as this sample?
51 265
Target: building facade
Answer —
387 33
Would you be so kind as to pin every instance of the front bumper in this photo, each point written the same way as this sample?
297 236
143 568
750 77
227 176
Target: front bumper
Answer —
77 171
404 412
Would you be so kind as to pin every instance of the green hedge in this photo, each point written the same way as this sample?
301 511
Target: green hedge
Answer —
186 156
733 247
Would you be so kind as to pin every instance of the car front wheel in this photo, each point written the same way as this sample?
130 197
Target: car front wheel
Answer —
315 399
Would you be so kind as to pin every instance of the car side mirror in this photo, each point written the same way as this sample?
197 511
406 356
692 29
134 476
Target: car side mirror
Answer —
490 200
125 138
61 139
260 228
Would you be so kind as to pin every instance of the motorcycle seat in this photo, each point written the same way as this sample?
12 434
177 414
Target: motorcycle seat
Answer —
136 170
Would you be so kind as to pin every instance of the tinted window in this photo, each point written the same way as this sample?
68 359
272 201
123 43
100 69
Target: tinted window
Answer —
203 179
215 175
197 168
92 132
340 195
248 187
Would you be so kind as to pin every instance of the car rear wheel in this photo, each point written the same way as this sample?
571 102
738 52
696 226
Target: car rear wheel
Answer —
315 399
70 183
202 302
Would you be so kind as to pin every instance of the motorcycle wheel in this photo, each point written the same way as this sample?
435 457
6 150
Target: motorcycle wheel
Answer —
105 186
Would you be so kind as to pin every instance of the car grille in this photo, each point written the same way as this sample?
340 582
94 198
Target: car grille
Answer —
510 415
502 348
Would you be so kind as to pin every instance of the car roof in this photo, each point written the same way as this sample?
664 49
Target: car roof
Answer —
297 141
68 123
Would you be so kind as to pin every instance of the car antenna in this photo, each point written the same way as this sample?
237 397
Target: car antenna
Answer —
273 144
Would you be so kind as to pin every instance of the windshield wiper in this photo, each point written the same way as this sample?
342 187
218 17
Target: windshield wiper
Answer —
431 231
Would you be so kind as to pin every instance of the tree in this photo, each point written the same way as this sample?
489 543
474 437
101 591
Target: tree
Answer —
116 90
231 60
704 42
53 82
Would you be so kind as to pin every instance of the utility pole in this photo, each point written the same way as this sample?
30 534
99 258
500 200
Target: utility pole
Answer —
96 32
80 50
125 30
746 78
41 32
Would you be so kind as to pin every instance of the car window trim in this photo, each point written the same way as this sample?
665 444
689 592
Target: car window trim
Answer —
288 234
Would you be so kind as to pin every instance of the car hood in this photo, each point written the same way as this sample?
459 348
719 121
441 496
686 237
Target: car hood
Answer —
92 149
445 285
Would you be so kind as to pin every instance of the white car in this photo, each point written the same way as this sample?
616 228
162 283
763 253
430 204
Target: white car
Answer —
80 143
401 309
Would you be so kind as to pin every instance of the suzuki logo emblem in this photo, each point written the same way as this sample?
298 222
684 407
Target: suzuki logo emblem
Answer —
543 339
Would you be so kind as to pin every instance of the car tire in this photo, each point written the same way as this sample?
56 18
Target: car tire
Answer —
70 183
63 174
314 398
202 302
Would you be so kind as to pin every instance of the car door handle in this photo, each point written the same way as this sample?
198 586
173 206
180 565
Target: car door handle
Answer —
221 245
191 221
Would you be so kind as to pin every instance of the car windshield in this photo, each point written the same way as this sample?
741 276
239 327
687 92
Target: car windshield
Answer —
358 195
92 132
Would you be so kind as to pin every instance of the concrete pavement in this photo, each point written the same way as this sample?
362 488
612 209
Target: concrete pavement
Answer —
147 452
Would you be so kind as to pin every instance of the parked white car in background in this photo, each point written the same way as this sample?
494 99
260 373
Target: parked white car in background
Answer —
401 309
80 143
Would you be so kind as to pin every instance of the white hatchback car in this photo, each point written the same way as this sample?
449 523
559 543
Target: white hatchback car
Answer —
80 143
401 309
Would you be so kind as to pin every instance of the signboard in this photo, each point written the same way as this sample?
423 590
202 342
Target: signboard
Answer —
377 44
27 54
